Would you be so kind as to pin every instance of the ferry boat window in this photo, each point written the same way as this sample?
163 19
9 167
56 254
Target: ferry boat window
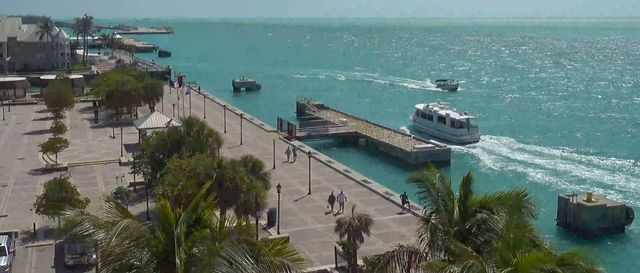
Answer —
430 117
473 122
442 120
423 115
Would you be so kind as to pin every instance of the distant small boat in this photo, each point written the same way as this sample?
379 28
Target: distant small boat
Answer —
246 84
447 84
164 53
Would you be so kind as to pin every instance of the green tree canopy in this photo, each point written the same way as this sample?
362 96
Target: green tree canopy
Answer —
152 91
59 96
58 196
126 88
194 137
58 128
466 232
189 239
53 146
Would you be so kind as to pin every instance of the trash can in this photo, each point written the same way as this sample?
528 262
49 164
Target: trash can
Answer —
271 217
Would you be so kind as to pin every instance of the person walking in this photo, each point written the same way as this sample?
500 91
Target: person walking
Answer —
288 153
331 200
342 198
294 151
404 199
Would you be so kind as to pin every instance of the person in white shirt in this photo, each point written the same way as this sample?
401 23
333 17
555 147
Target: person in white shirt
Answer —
342 198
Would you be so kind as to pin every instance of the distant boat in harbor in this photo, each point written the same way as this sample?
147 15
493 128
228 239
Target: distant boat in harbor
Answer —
436 119
164 53
246 84
447 84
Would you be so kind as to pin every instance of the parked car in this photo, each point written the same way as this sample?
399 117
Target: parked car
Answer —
78 253
7 250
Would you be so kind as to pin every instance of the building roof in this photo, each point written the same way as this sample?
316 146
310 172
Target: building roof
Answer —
12 26
442 108
9 83
155 120
76 80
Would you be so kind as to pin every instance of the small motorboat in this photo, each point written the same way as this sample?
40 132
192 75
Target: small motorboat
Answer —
164 53
246 84
447 84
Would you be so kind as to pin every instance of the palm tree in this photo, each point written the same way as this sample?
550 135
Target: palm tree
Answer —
192 239
46 27
466 232
354 228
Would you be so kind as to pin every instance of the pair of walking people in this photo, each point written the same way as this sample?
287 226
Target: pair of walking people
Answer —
291 151
341 198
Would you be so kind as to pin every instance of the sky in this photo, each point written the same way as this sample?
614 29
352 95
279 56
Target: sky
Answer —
321 8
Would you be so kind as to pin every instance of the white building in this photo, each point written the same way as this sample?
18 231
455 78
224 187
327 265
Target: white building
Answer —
25 48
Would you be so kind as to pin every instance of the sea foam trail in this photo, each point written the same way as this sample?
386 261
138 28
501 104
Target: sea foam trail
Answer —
370 77
560 168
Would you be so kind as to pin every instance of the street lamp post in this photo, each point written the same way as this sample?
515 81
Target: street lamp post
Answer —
278 189
256 203
146 194
174 110
162 103
274 154
224 117
134 172
204 104
121 144
241 118
2 103
309 154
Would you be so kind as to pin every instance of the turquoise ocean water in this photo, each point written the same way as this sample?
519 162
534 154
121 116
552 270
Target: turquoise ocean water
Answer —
558 101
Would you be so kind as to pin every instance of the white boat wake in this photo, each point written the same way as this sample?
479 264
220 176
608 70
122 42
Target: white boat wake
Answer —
560 168
371 77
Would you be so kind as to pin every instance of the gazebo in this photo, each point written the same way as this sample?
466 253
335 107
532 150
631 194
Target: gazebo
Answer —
77 82
154 121
13 87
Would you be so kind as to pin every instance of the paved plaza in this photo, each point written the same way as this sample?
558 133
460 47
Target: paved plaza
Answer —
94 152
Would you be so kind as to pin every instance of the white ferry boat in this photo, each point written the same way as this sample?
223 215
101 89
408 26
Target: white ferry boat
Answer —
447 84
436 119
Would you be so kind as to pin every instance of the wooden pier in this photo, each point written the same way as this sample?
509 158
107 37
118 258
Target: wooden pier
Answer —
317 120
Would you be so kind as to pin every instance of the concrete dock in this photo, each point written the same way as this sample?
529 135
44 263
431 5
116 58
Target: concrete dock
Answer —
320 121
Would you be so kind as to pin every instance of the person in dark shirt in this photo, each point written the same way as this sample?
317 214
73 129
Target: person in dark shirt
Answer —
404 199
331 200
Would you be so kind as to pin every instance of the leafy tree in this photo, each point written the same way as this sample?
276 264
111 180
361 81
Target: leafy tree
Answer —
117 90
466 232
53 146
183 177
189 239
353 228
58 196
58 128
152 91
194 137
59 96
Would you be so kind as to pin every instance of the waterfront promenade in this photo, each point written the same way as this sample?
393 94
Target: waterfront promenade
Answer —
304 217
93 157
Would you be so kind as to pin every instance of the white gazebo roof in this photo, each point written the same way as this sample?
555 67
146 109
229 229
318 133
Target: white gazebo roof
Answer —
155 120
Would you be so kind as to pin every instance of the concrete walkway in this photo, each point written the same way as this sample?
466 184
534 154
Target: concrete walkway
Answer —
305 217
